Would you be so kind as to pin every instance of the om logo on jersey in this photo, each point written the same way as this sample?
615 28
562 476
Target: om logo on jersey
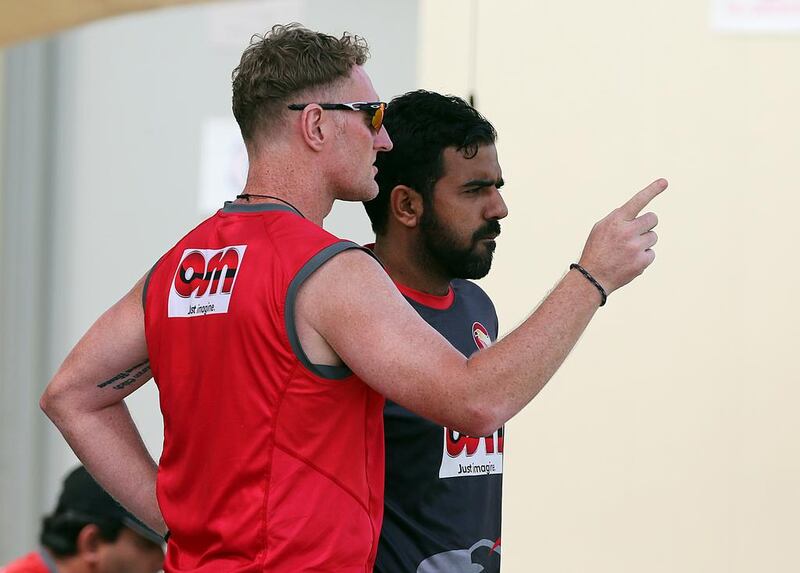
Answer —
204 281
465 456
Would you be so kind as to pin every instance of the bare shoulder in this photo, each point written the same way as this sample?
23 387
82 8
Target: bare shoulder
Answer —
354 306
352 276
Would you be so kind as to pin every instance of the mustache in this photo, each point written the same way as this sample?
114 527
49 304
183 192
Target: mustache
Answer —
489 229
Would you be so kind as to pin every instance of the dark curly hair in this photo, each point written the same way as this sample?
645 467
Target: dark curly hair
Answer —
283 62
422 125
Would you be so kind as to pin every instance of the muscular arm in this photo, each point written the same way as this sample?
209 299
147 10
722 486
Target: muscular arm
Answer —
380 337
385 342
85 401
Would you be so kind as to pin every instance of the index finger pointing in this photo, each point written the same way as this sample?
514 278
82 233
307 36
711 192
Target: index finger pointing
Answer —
639 201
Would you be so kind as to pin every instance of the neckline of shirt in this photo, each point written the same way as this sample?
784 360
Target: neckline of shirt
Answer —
231 207
436 302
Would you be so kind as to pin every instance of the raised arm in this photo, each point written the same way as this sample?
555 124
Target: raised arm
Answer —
85 401
354 307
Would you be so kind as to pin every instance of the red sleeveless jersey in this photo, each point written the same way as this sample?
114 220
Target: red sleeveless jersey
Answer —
270 463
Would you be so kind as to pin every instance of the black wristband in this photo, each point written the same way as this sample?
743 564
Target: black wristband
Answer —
166 536
591 279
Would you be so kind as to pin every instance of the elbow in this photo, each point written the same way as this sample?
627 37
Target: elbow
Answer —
52 400
47 402
480 419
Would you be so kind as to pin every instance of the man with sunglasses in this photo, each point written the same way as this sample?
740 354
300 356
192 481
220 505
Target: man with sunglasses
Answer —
273 342
91 533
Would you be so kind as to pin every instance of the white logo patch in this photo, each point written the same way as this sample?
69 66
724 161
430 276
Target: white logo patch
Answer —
204 281
464 456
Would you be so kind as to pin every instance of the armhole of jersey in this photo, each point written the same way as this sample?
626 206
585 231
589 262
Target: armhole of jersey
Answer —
322 370
146 284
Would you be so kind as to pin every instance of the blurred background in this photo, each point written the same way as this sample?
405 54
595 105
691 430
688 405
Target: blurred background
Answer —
667 442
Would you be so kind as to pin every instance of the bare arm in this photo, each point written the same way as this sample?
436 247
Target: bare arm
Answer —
85 401
383 340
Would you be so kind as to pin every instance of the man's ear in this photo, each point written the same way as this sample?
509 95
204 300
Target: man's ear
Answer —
405 205
88 543
313 127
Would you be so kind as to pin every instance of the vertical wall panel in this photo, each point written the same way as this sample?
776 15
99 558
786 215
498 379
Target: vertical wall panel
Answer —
24 284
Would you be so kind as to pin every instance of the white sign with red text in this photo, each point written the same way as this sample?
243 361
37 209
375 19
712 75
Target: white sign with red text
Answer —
755 16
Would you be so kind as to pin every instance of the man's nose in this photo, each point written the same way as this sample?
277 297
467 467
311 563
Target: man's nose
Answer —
382 140
497 208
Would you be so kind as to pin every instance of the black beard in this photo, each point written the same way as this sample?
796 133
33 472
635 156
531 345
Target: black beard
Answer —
457 262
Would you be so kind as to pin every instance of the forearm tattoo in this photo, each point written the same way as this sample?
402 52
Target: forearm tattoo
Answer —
128 377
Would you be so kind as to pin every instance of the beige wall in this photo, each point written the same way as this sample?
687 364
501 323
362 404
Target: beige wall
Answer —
669 441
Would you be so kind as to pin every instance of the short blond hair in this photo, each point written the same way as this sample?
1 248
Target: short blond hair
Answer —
284 62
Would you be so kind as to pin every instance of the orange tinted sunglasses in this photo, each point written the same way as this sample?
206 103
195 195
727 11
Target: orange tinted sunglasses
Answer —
375 109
